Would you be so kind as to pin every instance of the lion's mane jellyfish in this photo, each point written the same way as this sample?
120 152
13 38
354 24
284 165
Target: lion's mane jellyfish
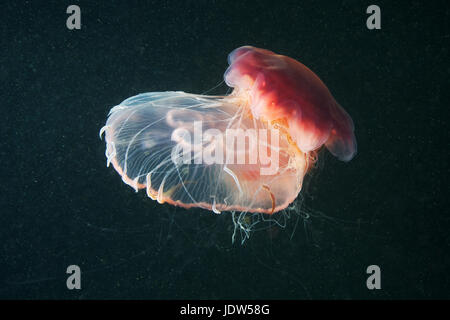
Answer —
248 151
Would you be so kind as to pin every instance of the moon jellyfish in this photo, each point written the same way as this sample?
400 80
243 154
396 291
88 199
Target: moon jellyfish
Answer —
245 152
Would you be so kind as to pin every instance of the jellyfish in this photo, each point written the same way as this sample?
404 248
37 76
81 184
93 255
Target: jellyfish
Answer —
247 151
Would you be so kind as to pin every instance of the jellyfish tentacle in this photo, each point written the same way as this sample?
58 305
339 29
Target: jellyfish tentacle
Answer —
140 129
235 178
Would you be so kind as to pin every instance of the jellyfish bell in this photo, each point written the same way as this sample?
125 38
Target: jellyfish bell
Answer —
245 152
283 90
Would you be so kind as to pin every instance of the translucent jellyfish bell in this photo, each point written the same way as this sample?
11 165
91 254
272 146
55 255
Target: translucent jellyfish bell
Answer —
248 151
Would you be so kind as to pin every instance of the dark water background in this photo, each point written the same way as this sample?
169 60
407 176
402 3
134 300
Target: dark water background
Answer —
60 205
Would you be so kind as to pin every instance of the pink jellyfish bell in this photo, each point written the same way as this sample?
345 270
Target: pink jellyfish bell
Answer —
248 151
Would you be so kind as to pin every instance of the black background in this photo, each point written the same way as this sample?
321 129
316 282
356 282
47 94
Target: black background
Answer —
60 205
